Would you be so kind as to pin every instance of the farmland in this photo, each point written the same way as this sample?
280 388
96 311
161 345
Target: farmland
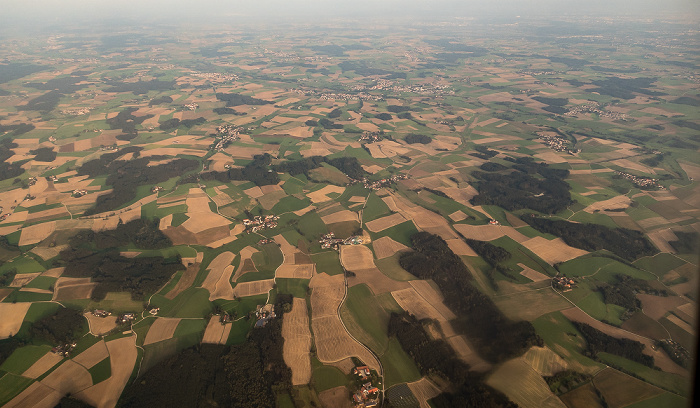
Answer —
167 199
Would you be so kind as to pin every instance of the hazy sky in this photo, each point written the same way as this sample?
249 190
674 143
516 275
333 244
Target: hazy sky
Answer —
53 12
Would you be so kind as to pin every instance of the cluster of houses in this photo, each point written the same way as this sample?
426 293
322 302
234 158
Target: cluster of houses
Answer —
593 107
79 193
260 223
557 143
32 181
64 350
126 318
228 133
640 181
330 241
53 178
378 184
332 96
156 189
265 241
533 73
76 112
215 76
225 318
370 137
264 314
101 313
191 106
563 283
494 222
425 89
367 395
677 352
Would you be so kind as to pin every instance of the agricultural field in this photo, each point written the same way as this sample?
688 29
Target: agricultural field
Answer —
523 196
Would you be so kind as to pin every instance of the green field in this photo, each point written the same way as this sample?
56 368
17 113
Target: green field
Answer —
667 381
327 262
23 358
11 385
391 268
101 371
398 366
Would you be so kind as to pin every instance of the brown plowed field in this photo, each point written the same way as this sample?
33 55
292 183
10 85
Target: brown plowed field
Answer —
216 333
338 397
93 355
380 224
297 342
385 247
162 329
459 247
186 280
355 257
433 296
376 280
42 365
12 317
100 325
553 251
423 390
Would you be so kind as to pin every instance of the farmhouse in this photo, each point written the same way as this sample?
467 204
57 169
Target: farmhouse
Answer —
101 313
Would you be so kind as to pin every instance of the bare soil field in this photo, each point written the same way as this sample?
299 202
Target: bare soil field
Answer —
380 224
621 390
304 271
413 303
100 325
22 279
489 232
162 329
93 355
458 216
186 280
34 234
385 247
531 304
461 346
376 280
532 274
36 395
123 355
615 203
4 293
12 317
69 377
553 251
340 216
253 288
338 397
297 342
42 365
459 247
423 390
216 333
355 257
72 291
680 323
656 307
321 195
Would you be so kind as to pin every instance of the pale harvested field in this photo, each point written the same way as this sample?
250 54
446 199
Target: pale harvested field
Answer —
36 395
123 354
380 224
223 288
246 255
458 216
268 200
340 216
333 343
688 311
459 247
47 214
162 329
219 268
287 249
619 202
216 333
100 325
356 257
69 377
4 293
297 342
47 253
200 216
489 232
253 288
357 199
661 359
523 385
529 304
413 303
553 251
254 192
321 195
385 247
54 272
338 397
12 317
432 296
42 365
656 307
22 279
532 274
186 280
423 390
545 361
72 291
93 355
376 280
34 234
660 239
305 271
